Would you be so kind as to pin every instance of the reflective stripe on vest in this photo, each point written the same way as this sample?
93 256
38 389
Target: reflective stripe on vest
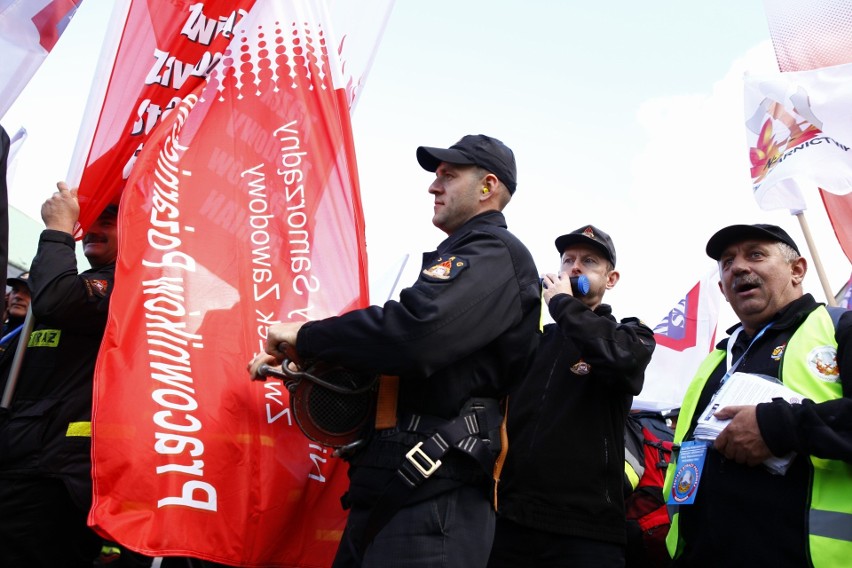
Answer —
806 367
809 367
79 430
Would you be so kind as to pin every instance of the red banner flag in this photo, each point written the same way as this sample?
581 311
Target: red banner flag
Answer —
839 209
810 34
242 210
181 43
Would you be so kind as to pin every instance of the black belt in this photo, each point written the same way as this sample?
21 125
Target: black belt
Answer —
474 432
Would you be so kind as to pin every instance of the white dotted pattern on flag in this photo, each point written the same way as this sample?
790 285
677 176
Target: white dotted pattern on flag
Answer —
808 34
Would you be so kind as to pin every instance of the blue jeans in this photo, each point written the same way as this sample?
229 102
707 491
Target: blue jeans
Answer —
452 530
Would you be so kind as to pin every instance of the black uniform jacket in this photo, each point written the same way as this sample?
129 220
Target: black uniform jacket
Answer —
45 432
9 348
755 517
465 329
565 467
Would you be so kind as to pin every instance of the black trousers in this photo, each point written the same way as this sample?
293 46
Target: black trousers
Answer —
517 545
454 529
40 526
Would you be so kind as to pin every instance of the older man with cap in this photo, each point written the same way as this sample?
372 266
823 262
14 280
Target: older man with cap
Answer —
560 499
458 339
743 514
17 305
45 440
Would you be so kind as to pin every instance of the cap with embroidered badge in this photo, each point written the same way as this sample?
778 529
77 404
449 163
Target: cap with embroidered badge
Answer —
22 278
474 149
723 238
588 234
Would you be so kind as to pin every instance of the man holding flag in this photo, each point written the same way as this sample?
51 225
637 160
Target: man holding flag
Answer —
45 441
458 339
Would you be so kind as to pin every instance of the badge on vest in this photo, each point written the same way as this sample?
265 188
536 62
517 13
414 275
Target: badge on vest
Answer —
445 269
581 368
690 464
822 362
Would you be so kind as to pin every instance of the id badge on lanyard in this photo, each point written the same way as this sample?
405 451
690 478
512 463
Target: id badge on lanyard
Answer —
690 466
690 461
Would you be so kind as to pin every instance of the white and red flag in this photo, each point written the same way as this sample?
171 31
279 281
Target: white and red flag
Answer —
684 338
28 31
809 35
799 135
242 209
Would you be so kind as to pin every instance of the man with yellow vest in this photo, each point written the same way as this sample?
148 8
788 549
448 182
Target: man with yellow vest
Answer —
727 508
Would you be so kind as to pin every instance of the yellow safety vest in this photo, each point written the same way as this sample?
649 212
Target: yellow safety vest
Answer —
809 367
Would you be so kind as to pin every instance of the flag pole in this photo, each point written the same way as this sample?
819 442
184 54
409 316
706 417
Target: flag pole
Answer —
398 274
829 295
18 359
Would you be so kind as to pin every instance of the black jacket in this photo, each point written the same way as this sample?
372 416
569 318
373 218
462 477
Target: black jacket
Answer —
466 328
757 517
11 332
54 389
565 467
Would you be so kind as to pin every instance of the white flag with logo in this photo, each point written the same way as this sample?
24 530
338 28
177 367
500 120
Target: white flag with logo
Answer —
799 132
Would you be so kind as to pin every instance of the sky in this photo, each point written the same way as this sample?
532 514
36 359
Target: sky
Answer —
625 115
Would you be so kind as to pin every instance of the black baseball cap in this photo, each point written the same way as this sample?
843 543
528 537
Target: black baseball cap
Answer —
737 233
22 279
474 149
588 235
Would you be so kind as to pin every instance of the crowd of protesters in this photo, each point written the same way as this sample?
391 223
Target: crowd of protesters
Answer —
506 446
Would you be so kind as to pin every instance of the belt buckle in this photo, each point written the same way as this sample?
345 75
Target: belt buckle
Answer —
415 455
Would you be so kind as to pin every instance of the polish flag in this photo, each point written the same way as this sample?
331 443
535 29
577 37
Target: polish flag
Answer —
28 31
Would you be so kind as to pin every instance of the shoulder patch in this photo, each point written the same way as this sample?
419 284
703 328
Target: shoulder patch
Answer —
96 287
445 268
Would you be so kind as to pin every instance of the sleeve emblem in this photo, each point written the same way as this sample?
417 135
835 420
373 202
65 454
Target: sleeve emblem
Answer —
96 287
445 269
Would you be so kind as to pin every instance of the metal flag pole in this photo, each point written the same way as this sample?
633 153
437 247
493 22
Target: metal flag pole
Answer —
829 295
398 274
18 359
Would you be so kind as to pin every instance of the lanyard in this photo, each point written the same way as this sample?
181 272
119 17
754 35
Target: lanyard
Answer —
9 336
733 339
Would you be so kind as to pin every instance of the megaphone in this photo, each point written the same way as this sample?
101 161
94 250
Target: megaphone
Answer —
579 285
332 405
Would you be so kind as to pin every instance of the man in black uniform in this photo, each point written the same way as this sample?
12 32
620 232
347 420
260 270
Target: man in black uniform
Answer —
560 492
45 441
458 340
